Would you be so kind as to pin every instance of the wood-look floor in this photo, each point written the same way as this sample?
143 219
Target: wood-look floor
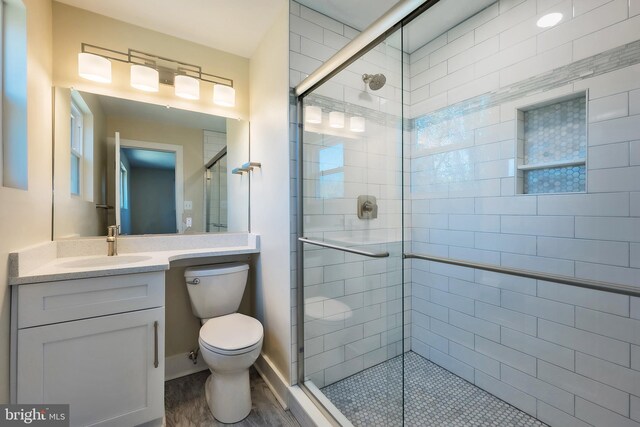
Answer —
185 404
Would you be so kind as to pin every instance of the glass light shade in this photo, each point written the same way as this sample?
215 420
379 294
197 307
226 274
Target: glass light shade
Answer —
313 114
549 20
144 78
224 95
94 67
187 87
336 119
356 124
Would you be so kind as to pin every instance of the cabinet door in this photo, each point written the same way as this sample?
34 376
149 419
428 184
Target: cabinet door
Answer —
103 367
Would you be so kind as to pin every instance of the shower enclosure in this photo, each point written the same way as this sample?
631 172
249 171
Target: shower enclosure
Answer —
216 192
469 218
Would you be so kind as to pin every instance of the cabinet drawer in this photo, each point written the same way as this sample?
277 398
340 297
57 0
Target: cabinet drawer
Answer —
53 302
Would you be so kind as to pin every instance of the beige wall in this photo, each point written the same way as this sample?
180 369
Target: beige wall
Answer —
25 215
73 26
191 141
270 189
77 216
237 185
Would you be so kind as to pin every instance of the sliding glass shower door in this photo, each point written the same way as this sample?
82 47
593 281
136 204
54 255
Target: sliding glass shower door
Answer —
354 312
216 194
469 209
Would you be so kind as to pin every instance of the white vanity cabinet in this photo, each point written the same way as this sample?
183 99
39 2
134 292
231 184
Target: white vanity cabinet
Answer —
96 344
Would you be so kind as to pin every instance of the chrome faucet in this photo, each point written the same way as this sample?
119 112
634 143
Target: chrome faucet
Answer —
112 240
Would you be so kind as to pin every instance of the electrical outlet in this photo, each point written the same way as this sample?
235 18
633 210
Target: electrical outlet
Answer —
189 221
188 205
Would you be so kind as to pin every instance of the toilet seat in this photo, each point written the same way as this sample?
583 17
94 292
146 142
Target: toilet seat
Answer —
231 334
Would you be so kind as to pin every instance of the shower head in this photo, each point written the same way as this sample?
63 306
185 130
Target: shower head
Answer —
375 81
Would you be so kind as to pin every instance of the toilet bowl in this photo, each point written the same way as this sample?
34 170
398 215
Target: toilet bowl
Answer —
229 342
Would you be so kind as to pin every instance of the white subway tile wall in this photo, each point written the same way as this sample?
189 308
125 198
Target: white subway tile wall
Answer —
569 356
566 355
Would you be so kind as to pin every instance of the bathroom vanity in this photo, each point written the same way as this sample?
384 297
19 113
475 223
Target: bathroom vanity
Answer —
94 343
89 330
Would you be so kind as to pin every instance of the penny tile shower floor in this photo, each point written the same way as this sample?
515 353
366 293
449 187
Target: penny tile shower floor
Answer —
434 397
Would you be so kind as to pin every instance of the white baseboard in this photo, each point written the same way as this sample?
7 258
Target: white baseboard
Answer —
328 404
304 410
274 379
180 365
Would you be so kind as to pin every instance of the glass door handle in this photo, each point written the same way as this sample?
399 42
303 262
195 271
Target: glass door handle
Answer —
344 248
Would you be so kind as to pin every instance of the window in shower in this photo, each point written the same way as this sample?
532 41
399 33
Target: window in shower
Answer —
552 145
331 171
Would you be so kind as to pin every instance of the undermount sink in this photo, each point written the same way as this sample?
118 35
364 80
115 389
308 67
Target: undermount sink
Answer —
104 261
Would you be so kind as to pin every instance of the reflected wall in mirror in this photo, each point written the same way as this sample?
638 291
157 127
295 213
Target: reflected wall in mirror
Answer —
149 168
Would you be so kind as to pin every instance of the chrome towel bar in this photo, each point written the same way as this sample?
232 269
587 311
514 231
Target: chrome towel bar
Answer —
633 291
344 248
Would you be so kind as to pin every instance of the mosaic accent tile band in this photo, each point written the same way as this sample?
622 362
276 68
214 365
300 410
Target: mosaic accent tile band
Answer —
433 397
602 63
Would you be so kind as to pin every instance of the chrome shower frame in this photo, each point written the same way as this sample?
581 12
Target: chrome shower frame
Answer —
398 16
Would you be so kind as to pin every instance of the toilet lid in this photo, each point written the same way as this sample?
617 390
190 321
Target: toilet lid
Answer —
231 332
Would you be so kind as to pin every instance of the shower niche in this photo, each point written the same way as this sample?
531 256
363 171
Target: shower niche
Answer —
552 146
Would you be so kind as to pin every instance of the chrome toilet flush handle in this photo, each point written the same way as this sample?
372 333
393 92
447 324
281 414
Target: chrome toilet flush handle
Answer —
195 281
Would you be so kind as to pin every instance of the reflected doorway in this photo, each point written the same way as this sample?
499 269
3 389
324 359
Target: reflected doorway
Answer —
149 196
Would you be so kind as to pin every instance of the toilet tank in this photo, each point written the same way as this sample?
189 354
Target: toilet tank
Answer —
216 290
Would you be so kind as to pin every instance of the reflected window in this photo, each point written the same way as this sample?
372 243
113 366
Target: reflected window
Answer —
77 131
124 187
331 168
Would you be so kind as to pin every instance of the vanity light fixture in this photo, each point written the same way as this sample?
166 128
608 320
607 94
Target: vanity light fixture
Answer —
549 20
313 114
94 67
356 124
336 119
149 70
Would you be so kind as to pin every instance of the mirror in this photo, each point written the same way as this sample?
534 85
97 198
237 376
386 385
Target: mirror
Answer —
149 168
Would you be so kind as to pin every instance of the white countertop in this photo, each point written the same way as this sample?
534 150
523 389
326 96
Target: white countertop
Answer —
62 260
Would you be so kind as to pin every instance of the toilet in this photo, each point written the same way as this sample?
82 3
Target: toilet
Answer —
230 342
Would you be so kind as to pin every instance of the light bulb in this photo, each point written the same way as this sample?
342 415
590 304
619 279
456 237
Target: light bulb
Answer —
187 87
336 119
356 124
313 114
549 20
224 95
94 67
144 78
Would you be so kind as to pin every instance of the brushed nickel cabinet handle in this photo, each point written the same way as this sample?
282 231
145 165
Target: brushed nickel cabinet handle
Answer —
155 348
